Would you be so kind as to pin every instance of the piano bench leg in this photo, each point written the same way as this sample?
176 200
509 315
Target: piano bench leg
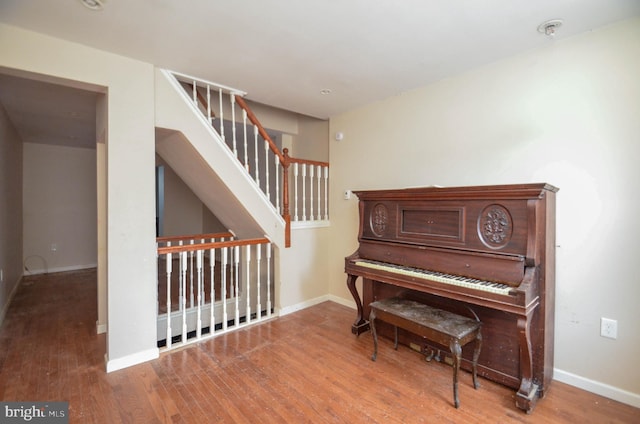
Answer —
395 337
456 353
476 355
372 324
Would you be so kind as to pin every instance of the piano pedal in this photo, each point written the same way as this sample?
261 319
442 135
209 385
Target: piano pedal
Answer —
431 354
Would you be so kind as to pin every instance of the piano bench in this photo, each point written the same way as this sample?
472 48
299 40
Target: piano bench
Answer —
442 327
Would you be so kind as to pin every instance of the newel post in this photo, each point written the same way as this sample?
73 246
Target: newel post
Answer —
285 197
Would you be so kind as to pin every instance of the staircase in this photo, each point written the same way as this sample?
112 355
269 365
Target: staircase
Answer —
211 139
202 159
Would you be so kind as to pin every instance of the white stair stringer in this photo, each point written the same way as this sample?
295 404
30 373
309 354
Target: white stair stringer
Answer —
195 151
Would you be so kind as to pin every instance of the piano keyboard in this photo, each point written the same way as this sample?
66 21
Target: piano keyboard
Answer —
439 277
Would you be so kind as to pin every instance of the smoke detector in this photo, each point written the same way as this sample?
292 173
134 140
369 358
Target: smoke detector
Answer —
549 28
92 4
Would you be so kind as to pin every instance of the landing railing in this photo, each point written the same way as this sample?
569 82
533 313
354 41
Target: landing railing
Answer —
269 166
210 284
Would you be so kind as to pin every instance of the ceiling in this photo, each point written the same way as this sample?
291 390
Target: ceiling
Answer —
284 53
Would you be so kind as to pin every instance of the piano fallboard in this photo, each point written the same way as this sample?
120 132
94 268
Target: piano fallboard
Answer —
508 269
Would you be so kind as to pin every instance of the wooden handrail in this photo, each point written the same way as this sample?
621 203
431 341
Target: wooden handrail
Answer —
261 129
215 245
285 161
165 239
308 162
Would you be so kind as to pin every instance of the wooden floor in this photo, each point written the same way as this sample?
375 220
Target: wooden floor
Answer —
305 367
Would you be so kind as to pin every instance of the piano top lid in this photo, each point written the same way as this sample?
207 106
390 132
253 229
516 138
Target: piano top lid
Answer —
507 191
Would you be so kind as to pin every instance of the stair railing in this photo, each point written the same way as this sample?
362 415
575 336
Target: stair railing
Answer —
210 284
262 159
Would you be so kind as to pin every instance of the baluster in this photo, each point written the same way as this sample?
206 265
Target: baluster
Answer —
266 170
295 191
183 284
311 177
233 125
268 279
277 168
326 193
304 192
191 297
236 278
181 293
209 104
246 153
232 273
169 270
319 217
194 94
212 292
199 253
223 286
247 294
221 116
255 149
258 277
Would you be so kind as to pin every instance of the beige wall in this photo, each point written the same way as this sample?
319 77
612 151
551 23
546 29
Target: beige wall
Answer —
311 140
10 211
183 213
59 198
301 273
567 114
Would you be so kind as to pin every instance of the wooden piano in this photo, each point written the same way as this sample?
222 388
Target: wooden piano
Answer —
488 248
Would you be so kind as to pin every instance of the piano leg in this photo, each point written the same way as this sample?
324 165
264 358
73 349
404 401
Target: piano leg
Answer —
360 325
526 396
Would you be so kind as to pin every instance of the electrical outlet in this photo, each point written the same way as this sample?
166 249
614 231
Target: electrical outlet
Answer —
347 194
609 328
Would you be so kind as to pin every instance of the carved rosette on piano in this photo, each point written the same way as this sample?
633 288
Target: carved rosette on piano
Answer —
489 248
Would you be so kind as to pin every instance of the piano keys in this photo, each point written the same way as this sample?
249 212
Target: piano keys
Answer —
488 248
456 280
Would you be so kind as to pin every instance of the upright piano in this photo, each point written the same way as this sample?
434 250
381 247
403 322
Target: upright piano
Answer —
486 250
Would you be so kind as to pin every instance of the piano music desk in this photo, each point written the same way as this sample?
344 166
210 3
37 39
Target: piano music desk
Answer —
442 327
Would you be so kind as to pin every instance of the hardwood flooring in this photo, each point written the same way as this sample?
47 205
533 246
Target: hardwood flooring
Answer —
305 367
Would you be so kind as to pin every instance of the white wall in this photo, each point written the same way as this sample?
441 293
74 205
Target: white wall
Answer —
10 211
59 198
567 114
130 151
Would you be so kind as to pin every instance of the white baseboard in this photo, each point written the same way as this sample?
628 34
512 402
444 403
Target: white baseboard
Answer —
130 360
308 303
342 301
597 387
302 305
101 328
5 307
60 269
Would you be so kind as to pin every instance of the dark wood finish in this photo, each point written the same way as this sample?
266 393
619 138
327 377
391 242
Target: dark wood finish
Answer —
498 234
294 369
442 327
